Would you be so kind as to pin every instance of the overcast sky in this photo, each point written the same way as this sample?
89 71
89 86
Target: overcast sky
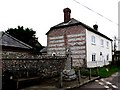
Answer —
40 15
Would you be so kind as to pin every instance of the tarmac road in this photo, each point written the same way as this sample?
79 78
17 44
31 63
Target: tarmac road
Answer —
110 83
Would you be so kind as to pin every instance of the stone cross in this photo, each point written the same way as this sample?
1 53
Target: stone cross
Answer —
68 63
68 72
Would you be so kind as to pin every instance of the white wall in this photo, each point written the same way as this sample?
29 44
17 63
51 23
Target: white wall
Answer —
97 48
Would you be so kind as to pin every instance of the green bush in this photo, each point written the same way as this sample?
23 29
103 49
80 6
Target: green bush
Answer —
107 71
84 72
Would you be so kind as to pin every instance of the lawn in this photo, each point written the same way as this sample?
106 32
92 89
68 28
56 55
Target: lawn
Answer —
107 71
103 72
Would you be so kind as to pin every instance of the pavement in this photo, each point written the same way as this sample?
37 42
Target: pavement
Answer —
54 84
110 83
107 84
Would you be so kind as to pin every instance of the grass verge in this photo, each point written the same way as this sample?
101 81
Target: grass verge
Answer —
107 71
103 72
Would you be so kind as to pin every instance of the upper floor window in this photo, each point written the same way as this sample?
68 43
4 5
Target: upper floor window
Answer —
102 42
107 44
93 39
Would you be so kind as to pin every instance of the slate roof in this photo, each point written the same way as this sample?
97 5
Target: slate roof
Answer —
73 22
44 50
9 41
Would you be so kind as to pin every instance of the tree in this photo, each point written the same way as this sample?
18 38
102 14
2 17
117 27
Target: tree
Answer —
27 36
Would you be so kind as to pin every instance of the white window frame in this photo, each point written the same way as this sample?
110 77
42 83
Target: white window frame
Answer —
102 42
93 40
107 44
94 57
107 57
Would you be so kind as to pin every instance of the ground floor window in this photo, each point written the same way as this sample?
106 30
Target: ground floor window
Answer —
93 57
108 57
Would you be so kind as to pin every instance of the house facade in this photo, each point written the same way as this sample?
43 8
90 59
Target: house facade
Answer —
88 47
99 49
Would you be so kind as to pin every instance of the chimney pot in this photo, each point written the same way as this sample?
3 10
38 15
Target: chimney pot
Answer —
67 12
95 27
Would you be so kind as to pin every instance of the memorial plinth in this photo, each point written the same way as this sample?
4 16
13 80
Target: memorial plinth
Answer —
68 72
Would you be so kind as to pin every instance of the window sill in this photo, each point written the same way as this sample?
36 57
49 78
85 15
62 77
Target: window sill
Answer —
93 43
94 61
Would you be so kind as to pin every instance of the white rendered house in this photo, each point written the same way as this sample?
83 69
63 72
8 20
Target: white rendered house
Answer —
99 49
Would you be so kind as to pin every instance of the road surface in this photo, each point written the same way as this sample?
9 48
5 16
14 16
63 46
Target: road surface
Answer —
110 83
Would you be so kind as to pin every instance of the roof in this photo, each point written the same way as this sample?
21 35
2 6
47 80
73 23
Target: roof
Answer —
73 22
9 41
44 50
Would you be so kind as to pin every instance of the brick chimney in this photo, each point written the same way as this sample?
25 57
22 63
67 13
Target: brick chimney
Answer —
67 12
95 27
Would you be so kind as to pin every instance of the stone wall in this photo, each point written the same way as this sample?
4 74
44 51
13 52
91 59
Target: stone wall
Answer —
16 54
23 65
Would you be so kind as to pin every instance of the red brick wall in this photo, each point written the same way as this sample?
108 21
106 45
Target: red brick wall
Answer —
72 37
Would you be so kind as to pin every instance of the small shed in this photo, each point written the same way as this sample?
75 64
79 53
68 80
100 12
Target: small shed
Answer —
12 46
